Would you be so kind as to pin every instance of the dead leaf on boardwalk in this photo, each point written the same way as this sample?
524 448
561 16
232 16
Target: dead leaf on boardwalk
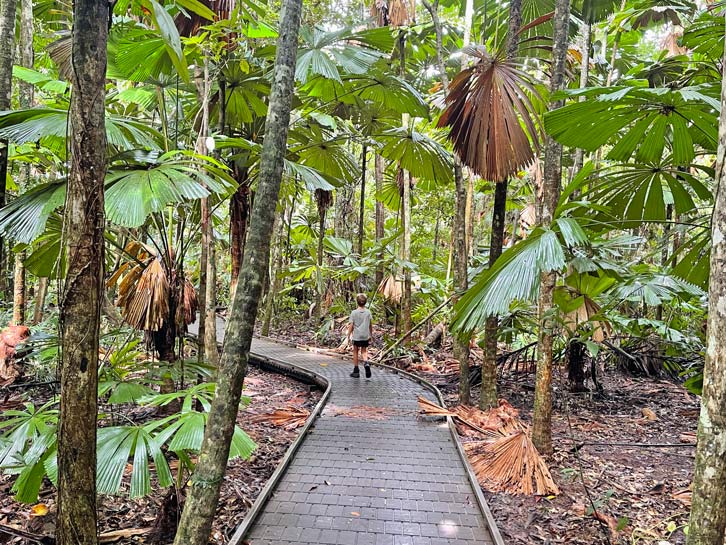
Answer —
688 437
363 412
355 513
288 418
118 535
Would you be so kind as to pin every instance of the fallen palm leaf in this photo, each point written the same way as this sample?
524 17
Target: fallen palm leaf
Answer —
118 535
288 418
511 464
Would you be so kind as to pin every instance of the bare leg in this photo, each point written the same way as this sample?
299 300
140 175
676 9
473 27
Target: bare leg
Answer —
355 356
364 354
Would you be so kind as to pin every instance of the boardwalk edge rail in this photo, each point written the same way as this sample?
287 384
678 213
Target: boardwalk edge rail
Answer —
296 372
307 376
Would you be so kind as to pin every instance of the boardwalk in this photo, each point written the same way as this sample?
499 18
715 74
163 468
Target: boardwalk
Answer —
369 477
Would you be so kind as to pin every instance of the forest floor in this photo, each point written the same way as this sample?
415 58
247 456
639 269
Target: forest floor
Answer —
132 521
640 493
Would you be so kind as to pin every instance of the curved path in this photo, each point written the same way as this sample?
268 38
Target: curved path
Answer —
369 477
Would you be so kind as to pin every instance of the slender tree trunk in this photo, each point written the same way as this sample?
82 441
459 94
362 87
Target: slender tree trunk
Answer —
406 253
488 394
708 514
210 327
239 212
542 421
461 277
322 212
202 81
81 298
274 275
196 522
7 50
584 76
460 258
361 219
380 216
40 300
19 289
25 54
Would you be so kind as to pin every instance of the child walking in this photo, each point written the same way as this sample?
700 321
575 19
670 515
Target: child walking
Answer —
360 329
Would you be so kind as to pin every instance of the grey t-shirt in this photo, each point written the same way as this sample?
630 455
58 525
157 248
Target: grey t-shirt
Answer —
361 320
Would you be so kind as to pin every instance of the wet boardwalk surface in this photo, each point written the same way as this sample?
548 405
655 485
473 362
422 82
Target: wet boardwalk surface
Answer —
369 472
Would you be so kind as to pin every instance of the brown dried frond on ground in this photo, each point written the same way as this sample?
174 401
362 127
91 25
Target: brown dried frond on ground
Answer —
507 461
511 464
288 418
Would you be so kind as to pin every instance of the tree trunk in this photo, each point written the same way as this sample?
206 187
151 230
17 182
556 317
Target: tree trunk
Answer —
380 216
7 50
202 79
488 393
584 76
196 521
361 219
274 276
239 211
19 290
40 300
406 252
461 277
25 50
708 514
81 298
211 353
322 212
542 421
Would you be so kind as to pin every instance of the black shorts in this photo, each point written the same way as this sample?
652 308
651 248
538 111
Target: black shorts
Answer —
361 344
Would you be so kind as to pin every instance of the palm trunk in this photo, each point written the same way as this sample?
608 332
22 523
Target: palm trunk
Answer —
19 289
239 211
488 393
584 76
202 84
211 352
460 343
361 219
542 421
81 298
322 212
25 50
40 300
406 253
196 521
7 50
274 276
708 514
380 216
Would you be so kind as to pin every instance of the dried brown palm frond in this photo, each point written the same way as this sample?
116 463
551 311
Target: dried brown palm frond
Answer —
493 125
144 297
189 24
429 408
323 199
511 464
187 310
391 289
393 13
585 313
288 418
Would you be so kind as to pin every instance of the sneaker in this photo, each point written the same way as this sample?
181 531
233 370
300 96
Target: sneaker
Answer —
368 370
355 373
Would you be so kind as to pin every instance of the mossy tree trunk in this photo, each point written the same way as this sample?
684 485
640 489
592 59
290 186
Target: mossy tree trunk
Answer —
542 421
708 514
81 298
196 521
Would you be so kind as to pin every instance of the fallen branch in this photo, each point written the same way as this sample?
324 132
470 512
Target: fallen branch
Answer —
17 532
413 330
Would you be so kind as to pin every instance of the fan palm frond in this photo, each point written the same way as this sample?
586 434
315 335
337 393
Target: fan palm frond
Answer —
493 126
